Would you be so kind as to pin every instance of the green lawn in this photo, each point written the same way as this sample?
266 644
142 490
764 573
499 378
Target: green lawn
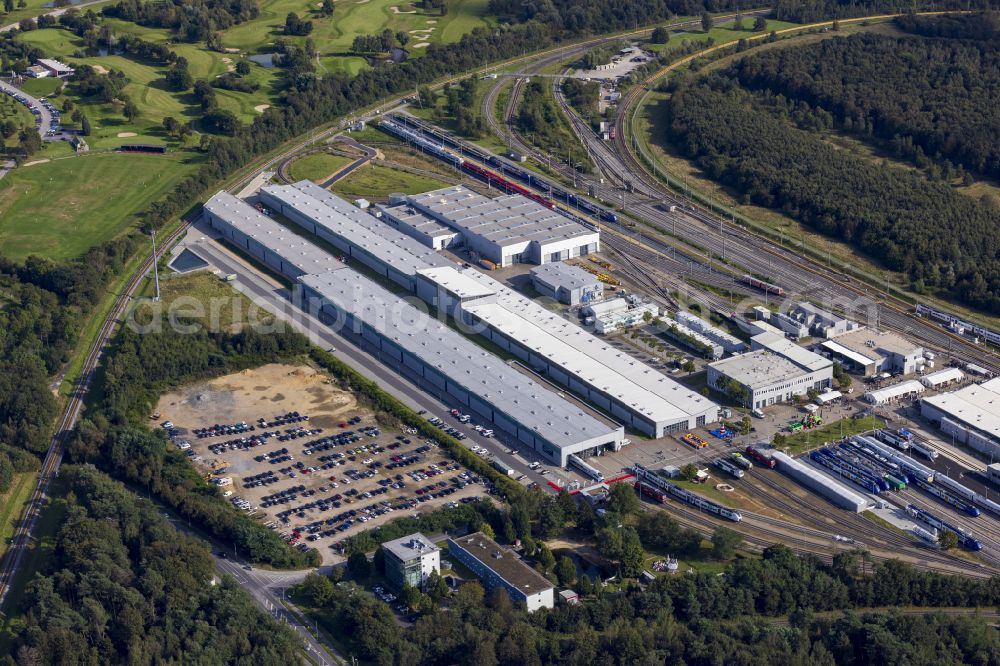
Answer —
378 182
61 208
721 34
318 166
42 87
12 505
810 439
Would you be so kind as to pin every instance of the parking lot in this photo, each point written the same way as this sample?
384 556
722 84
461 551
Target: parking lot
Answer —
318 468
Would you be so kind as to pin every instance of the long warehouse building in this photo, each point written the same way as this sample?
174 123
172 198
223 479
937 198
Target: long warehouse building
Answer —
360 236
637 394
458 371
970 414
259 236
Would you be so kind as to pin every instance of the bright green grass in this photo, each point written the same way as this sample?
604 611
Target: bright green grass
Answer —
41 87
34 8
56 42
13 111
318 166
810 439
61 208
721 34
13 503
378 182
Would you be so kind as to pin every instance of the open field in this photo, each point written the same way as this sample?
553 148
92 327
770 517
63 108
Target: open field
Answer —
811 439
318 480
318 166
373 181
61 208
720 35
12 505
204 298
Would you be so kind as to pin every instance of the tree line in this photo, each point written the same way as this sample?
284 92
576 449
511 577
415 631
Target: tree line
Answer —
191 20
945 241
813 11
921 97
123 586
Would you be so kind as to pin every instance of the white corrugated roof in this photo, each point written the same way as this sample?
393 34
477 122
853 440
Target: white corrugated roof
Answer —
888 393
782 346
942 376
841 350
455 281
977 405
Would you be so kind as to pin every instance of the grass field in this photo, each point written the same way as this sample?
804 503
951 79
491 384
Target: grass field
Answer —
221 307
810 439
318 166
378 182
42 87
12 505
61 208
722 34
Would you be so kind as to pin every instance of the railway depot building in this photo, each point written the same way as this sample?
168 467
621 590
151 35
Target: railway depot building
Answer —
505 230
636 394
566 283
869 352
459 372
261 237
775 371
971 415
360 236
498 567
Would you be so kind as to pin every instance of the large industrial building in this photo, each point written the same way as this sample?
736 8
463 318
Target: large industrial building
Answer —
640 396
970 414
821 323
775 371
354 232
458 371
869 352
566 283
499 567
259 236
506 230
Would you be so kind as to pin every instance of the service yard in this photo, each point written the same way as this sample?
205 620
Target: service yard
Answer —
287 445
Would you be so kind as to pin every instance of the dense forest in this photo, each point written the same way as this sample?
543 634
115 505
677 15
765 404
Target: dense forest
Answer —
540 120
694 619
943 240
191 20
124 587
812 11
923 97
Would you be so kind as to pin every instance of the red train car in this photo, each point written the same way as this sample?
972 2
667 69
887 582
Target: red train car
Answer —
763 286
760 457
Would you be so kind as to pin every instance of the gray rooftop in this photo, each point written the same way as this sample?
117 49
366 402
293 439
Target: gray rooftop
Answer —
759 369
410 547
504 221
885 343
357 227
416 219
283 242
505 563
558 274
779 344
484 375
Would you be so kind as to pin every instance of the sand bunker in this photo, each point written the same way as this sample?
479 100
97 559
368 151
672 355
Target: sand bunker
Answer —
396 10
421 45
125 135
100 69
35 162
261 108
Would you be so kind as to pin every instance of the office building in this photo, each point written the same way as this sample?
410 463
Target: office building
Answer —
869 352
410 560
498 567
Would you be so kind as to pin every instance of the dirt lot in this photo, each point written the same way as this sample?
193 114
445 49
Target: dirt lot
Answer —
307 475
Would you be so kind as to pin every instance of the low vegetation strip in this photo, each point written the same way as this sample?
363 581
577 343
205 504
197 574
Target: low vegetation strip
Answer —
807 440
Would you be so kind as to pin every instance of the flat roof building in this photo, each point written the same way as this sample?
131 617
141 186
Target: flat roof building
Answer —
410 560
821 323
943 377
566 283
640 396
499 567
412 222
55 68
509 229
870 352
906 389
449 365
775 371
729 343
353 231
261 237
970 414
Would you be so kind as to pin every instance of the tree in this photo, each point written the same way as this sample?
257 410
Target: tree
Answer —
327 8
130 111
585 585
545 558
779 440
426 97
623 500
8 6
633 554
437 587
660 35
947 539
84 125
410 596
358 565
402 38
243 68
759 24
689 366
565 571
738 23
725 542
706 22
746 425
318 588
689 472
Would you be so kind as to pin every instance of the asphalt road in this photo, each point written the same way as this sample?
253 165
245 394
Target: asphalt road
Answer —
46 117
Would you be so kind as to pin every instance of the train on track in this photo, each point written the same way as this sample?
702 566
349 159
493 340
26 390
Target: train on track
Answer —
586 468
843 470
440 144
648 477
959 325
760 457
729 467
946 497
766 287
650 492
968 494
967 541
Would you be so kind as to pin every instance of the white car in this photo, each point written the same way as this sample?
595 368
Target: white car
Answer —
228 493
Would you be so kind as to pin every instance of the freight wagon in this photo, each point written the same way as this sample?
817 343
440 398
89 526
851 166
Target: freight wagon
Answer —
763 286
